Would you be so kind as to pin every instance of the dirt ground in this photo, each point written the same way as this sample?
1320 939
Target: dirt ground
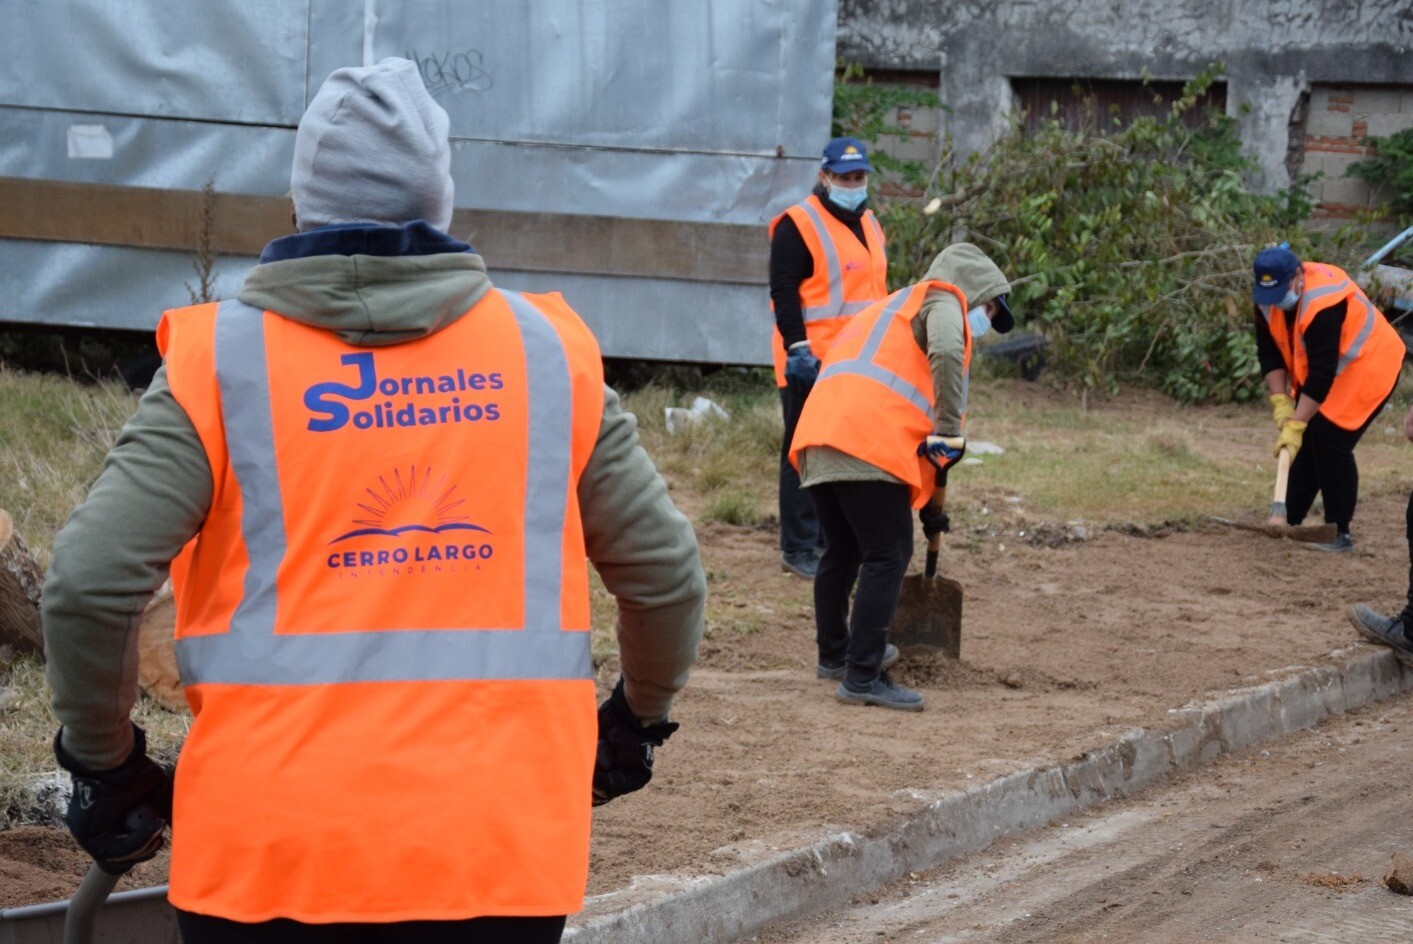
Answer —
1065 644
1288 843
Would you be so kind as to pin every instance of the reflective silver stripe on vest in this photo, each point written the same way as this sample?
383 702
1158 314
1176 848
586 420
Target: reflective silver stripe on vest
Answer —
862 364
1305 300
1307 297
1365 329
874 225
251 654
833 271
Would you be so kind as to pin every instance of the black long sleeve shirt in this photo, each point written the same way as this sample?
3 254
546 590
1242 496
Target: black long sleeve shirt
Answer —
1321 348
791 264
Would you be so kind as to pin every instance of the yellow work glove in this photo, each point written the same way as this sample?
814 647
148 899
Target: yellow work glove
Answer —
1282 408
1291 435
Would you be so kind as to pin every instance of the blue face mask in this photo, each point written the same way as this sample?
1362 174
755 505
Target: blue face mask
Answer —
1291 299
849 198
980 322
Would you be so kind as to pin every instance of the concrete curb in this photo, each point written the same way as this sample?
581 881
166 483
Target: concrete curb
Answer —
724 908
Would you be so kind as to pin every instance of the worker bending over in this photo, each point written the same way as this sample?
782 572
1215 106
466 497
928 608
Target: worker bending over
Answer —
887 414
1331 361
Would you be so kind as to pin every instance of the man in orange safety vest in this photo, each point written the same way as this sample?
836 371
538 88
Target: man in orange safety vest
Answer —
378 480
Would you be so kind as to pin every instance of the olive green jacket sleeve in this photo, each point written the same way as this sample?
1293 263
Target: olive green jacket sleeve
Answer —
941 319
149 499
153 494
646 553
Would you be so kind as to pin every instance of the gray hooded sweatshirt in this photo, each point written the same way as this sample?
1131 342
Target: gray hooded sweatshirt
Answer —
938 330
156 487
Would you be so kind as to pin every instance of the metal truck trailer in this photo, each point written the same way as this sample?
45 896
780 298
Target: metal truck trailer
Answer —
625 152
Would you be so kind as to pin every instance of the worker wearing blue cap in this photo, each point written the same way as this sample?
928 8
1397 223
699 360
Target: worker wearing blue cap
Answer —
827 264
1331 361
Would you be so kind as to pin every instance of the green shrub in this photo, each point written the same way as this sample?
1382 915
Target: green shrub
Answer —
863 109
1390 168
1129 244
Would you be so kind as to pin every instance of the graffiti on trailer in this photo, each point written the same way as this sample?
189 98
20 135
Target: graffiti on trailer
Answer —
458 71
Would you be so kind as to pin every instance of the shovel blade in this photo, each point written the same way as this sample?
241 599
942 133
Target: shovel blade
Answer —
929 614
1305 533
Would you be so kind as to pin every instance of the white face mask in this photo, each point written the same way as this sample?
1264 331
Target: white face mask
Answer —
980 322
1292 298
850 198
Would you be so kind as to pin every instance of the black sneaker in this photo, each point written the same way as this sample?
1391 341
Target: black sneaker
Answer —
800 563
882 691
835 670
1388 630
1341 544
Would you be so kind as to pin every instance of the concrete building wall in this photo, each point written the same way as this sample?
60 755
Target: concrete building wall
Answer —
1339 121
1276 54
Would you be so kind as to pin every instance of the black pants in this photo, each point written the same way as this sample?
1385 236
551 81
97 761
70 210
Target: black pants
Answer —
868 538
1325 466
203 929
799 529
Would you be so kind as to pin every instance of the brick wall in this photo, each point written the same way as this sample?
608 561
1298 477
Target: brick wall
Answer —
1338 122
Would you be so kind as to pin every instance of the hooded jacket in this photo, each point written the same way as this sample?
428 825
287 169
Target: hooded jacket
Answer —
372 286
938 330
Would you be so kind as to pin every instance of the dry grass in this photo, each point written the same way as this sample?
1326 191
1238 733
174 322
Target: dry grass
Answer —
53 436
730 466
1139 459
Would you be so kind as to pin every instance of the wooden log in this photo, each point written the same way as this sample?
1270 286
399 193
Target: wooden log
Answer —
157 654
21 581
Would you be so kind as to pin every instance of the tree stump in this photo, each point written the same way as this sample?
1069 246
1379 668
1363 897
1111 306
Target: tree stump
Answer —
157 652
21 581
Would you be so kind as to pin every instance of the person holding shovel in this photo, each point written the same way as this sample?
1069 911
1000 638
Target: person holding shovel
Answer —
1331 361
378 480
886 420
826 264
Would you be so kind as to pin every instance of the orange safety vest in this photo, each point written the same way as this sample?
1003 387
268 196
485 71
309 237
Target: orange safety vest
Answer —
847 277
383 623
874 396
1370 350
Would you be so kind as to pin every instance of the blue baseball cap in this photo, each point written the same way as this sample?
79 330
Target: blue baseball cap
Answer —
1274 269
842 155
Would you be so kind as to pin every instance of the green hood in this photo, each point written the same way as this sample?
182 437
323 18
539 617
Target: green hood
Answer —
370 301
972 271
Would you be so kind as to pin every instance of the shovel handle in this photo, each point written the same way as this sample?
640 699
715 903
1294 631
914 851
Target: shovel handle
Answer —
1282 481
81 918
934 543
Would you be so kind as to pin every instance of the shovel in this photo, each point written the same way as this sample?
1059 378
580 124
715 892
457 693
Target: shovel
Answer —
81 918
929 606
1275 525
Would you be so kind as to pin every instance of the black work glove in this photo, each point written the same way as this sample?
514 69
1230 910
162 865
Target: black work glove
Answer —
625 757
934 520
118 815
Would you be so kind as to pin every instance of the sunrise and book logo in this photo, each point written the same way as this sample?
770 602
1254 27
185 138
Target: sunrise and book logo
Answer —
396 516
